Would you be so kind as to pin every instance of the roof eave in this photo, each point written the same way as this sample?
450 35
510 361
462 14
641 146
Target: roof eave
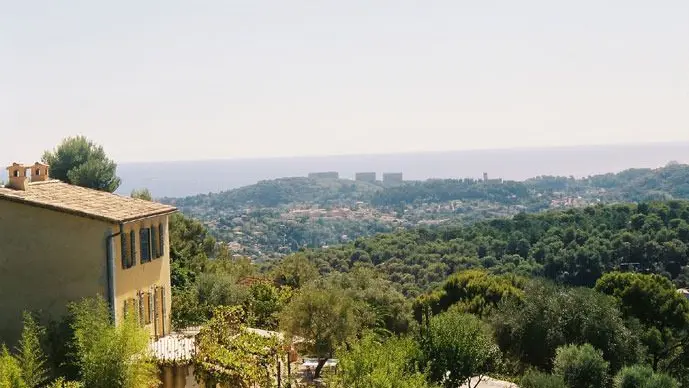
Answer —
148 215
85 214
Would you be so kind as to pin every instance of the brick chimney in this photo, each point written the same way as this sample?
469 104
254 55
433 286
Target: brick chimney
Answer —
17 173
39 172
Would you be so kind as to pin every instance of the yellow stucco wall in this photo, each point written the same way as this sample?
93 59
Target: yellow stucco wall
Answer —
47 259
143 277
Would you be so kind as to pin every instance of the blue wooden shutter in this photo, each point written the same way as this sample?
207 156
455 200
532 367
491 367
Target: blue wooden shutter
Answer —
145 236
132 243
161 237
154 242
124 249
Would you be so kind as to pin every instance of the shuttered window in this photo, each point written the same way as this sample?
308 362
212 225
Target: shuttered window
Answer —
145 237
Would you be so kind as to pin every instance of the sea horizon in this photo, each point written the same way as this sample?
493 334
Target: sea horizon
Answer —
190 177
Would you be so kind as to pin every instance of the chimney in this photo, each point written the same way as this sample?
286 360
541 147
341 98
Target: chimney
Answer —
17 173
39 172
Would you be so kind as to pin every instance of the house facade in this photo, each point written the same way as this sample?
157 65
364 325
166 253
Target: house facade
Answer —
60 243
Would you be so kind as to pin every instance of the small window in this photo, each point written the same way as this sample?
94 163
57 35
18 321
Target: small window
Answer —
38 172
145 236
16 173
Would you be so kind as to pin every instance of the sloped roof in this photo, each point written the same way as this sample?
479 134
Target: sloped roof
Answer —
84 202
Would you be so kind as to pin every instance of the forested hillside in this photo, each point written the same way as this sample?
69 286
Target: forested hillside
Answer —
273 218
573 247
554 299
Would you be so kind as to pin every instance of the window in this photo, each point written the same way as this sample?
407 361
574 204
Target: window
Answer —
145 236
149 303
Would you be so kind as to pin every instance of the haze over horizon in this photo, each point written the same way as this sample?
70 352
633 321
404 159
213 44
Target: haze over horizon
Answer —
221 80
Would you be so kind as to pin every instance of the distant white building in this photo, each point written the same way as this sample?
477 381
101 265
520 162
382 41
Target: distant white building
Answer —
392 178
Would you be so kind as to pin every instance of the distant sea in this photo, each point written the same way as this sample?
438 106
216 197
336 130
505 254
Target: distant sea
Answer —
183 178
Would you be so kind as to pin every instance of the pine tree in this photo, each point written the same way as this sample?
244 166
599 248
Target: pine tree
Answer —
30 356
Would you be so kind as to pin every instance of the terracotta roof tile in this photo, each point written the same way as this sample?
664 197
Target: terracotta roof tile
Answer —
85 202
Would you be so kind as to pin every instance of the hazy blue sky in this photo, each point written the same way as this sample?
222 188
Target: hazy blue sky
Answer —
168 80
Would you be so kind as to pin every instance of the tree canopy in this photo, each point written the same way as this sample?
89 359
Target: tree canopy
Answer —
81 162
457 347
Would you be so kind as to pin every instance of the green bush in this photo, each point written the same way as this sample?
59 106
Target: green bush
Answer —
535 379
10 371
581 366
642 376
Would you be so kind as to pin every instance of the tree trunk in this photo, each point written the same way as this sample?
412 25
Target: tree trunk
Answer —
319 367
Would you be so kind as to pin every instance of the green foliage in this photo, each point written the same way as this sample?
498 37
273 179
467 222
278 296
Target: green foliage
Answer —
30 355
655 303
273 193
369 363
324 316
294 271
228 354
110 356
10 371
383 307
536 379
550 317
642 376
573 247
472 291
457 347
190 247
264 304
652 299
144 194
441 190
581 366
81 162
62 383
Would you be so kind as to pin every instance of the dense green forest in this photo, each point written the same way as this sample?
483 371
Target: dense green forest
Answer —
573 247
